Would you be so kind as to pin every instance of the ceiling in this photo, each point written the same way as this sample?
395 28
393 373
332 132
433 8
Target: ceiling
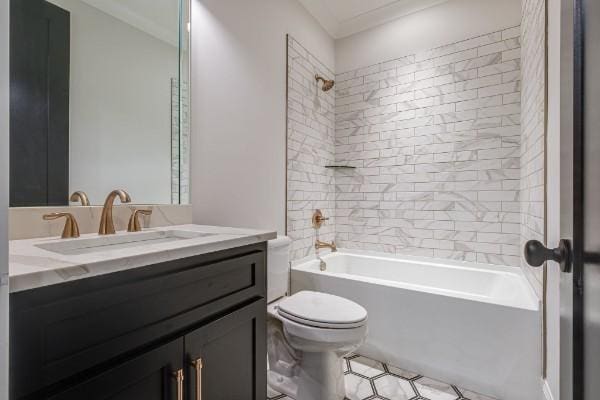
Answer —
343 18
159 18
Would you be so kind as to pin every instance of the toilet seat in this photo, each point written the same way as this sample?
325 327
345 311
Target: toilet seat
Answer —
322 310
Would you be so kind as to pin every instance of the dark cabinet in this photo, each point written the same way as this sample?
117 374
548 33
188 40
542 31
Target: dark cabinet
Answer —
203 364
124 335
151 376
39 103
226 358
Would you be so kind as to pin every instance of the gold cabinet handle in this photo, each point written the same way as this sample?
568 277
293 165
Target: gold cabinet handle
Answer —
198 367
179 378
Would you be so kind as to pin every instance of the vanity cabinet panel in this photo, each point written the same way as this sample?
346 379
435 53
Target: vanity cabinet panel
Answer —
150 376
63 332
232 352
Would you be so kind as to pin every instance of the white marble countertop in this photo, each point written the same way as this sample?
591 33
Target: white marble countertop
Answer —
31 266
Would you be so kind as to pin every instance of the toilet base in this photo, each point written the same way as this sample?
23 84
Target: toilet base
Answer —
320 377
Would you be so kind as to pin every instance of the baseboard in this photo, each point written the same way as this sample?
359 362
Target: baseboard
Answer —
547 391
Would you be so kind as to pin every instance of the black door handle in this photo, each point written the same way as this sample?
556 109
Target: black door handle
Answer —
537 254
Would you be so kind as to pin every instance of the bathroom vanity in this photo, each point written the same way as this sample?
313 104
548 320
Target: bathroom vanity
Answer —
100 104
176 314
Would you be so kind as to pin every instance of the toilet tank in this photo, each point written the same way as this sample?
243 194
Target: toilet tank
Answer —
278 267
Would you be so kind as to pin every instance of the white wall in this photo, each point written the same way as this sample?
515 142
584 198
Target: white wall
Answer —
443 24
4 66
120 107
553 198
239 106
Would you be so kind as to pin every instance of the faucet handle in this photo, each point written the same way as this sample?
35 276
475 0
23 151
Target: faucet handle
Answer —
71 229
318 219
134 221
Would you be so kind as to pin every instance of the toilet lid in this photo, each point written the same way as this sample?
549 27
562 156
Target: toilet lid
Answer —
322 310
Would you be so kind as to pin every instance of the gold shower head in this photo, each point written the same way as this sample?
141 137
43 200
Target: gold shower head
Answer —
327 84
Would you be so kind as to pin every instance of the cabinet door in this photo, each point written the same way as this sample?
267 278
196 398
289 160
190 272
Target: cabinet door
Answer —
227 358
150 376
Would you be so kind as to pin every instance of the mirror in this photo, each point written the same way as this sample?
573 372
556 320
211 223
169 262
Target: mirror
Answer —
99 100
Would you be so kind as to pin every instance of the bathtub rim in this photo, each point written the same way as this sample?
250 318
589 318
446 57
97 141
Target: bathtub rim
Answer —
531 303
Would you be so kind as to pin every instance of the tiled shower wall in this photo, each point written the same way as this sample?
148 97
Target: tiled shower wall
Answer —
310 148
435 139
533 136
180 143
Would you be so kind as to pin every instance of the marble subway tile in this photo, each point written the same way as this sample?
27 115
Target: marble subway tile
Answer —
513 54
312 142
511 33
436 139
532 120
508 44
398 63
498 68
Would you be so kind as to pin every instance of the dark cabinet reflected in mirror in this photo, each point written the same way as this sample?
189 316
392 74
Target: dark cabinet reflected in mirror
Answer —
99 100
39 113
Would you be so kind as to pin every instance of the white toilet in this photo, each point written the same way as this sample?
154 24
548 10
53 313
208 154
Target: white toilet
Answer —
308 334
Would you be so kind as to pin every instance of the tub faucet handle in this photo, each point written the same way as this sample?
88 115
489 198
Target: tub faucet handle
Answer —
318 219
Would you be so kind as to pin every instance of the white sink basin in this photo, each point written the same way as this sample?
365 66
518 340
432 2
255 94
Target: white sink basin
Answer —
118 242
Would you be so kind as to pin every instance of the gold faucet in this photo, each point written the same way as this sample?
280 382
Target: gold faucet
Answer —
325 245
80 196
134 222
107 225
71 229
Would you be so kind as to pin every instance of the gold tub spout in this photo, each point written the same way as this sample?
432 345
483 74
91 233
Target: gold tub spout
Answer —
325 245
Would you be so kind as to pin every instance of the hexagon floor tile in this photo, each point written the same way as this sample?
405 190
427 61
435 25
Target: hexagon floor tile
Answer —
368 379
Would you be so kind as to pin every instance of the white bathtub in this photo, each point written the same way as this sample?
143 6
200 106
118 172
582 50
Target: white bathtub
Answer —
475 325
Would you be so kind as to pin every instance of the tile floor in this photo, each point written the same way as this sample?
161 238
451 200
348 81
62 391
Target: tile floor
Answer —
367 379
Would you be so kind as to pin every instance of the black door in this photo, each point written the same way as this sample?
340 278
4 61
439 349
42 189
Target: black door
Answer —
227 358
39 103
587 116
155 375
579 251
